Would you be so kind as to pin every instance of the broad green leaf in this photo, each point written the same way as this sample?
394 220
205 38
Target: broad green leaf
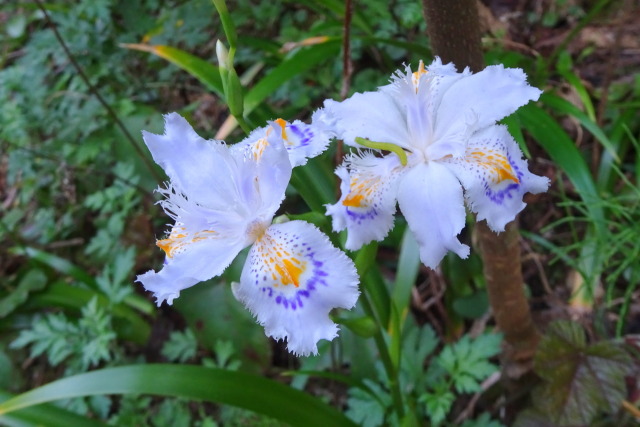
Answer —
581 380
315 182
363 326
215 315
246 391
44 415
472 306
207 73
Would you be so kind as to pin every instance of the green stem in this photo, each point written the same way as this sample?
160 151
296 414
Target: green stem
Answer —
243 124
402 155
386 358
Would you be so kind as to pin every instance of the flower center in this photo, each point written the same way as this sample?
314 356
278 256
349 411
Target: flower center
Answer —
256 230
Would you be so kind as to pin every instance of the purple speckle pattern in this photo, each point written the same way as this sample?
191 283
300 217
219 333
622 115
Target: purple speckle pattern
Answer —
358 217
265 278
302 136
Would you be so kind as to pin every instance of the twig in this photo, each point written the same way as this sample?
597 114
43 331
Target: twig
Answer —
93 91
347 68
486 384
631 408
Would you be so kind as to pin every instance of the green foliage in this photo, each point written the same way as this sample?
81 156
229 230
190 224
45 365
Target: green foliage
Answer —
33 280
466 361
181 346
81 344
433 382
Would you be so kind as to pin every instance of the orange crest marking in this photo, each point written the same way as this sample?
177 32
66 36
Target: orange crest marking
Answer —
359 193
285 268
497 164
417 74
177 240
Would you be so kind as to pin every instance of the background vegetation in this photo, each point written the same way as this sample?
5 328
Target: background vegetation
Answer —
79 80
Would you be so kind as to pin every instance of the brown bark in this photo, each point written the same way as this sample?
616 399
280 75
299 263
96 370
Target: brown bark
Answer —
454 32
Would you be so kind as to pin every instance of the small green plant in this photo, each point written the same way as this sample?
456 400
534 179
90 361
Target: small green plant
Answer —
80 344
431 382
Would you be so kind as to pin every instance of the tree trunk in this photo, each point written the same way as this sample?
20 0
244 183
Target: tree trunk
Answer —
454 32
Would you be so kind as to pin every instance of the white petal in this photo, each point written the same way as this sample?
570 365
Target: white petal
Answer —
292 279
191 162
480 100
265 175
368 202
495 176
430 198
371 115
193 263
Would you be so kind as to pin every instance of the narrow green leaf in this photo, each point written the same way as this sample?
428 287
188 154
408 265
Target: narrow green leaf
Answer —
377 291
227 22
207 73
67 268
303 60
44 415
129 324
345 379
566 155
250 392
407 272
563 106
59 264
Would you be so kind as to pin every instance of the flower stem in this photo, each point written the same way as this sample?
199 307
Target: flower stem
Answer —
243 124
385 356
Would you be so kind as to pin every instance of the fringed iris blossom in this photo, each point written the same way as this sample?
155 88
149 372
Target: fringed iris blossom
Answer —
440 126
223 199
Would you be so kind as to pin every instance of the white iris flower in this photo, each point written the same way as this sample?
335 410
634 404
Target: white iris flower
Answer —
223 199
441 125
